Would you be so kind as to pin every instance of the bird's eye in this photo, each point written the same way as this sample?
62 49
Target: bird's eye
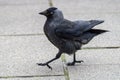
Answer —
51 12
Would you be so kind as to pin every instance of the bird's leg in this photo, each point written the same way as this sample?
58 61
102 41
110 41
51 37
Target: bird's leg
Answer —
74 61
47 63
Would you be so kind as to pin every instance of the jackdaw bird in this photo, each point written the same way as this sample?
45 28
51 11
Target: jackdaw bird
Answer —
68 36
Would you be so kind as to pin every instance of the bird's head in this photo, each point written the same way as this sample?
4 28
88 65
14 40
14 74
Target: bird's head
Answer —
52 12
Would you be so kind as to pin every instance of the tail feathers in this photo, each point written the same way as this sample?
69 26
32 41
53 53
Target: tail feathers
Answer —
96 22
97 31
88 35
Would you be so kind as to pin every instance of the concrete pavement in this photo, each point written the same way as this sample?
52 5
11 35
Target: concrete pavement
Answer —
23 43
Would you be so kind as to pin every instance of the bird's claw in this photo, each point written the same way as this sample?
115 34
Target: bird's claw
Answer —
49 66
73 63
79 61
45 64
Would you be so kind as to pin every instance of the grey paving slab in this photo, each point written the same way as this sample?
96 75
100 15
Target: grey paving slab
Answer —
19 55
94 6
38 78
88 9
95 72
19 2
99 56
21 16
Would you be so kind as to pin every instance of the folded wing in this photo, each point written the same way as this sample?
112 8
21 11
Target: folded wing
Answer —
72 30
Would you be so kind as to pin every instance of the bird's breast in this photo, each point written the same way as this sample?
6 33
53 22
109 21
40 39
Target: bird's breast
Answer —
50 33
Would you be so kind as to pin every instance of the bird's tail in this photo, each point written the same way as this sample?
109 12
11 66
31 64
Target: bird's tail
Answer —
88 35
96 22
97 31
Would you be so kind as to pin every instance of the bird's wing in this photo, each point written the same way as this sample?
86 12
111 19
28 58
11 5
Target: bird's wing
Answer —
66 30
71 30
87 25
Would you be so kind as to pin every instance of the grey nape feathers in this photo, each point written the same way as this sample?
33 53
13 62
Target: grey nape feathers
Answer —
68 36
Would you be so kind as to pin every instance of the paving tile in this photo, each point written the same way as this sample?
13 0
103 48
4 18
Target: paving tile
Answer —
98 56
21 16
19 55
95 72
39 78
88 6
101 64
19 2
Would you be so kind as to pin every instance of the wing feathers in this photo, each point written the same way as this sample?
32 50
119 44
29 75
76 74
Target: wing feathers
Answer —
76 29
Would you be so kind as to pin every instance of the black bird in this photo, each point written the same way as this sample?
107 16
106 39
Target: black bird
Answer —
68 36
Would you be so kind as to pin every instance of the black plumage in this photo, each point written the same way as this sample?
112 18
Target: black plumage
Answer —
68 36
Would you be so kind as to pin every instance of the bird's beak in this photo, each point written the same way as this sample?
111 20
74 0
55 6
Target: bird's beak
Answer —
43 13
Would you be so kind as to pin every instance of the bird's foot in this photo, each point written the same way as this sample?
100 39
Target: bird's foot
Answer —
73 63
44 64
